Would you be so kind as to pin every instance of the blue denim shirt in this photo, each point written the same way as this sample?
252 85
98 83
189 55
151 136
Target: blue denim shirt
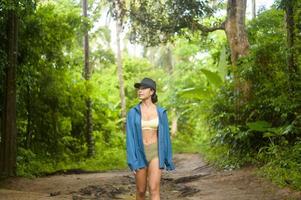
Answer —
136 158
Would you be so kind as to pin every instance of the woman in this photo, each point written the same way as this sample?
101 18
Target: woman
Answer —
148 144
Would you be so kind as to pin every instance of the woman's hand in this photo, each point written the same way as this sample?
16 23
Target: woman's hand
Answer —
134 172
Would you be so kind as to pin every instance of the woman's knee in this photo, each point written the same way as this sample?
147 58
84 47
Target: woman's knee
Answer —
154 189
140 190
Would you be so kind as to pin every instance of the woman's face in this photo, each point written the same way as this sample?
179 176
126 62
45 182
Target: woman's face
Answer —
144 93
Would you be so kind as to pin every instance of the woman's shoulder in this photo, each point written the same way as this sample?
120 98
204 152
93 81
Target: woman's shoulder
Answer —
132 109
161 108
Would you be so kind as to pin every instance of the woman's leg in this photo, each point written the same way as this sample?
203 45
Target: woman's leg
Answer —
154 177
141 183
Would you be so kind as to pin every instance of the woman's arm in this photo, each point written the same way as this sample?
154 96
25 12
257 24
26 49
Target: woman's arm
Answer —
130 143
168 161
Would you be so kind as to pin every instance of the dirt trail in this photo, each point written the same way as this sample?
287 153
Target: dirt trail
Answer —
192 180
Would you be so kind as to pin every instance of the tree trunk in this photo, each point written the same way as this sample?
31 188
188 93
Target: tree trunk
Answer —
87 75
290 34
235 29
290 26
170 66
9 131
253 9
118 7
89 128
29 120
297 39
174 122
239 44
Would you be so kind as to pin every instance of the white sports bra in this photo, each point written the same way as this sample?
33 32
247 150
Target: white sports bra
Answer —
150 124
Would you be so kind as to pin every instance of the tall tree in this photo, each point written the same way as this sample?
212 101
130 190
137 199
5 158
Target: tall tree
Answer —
118 13
239 46
290 25
87 75
292 14
170 69
253 9
235 29
9 130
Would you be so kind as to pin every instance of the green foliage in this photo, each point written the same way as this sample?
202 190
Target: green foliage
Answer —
51 93
260 126
212 77
222 157
158 22
184 143
266 128
108 157
282 164
265 68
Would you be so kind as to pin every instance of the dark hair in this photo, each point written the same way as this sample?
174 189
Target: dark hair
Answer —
154 97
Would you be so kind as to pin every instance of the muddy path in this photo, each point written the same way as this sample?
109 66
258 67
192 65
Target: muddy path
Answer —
192 180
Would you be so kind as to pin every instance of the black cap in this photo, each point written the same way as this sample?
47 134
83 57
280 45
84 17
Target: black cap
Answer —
146 82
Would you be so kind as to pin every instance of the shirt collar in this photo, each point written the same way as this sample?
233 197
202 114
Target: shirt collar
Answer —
159 108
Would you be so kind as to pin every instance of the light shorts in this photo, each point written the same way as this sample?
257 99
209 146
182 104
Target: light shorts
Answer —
151 151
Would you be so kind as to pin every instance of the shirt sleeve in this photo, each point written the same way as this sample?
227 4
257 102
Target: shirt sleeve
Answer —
130 144
168 161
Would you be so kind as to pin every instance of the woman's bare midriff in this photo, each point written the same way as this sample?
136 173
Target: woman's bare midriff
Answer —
149 136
